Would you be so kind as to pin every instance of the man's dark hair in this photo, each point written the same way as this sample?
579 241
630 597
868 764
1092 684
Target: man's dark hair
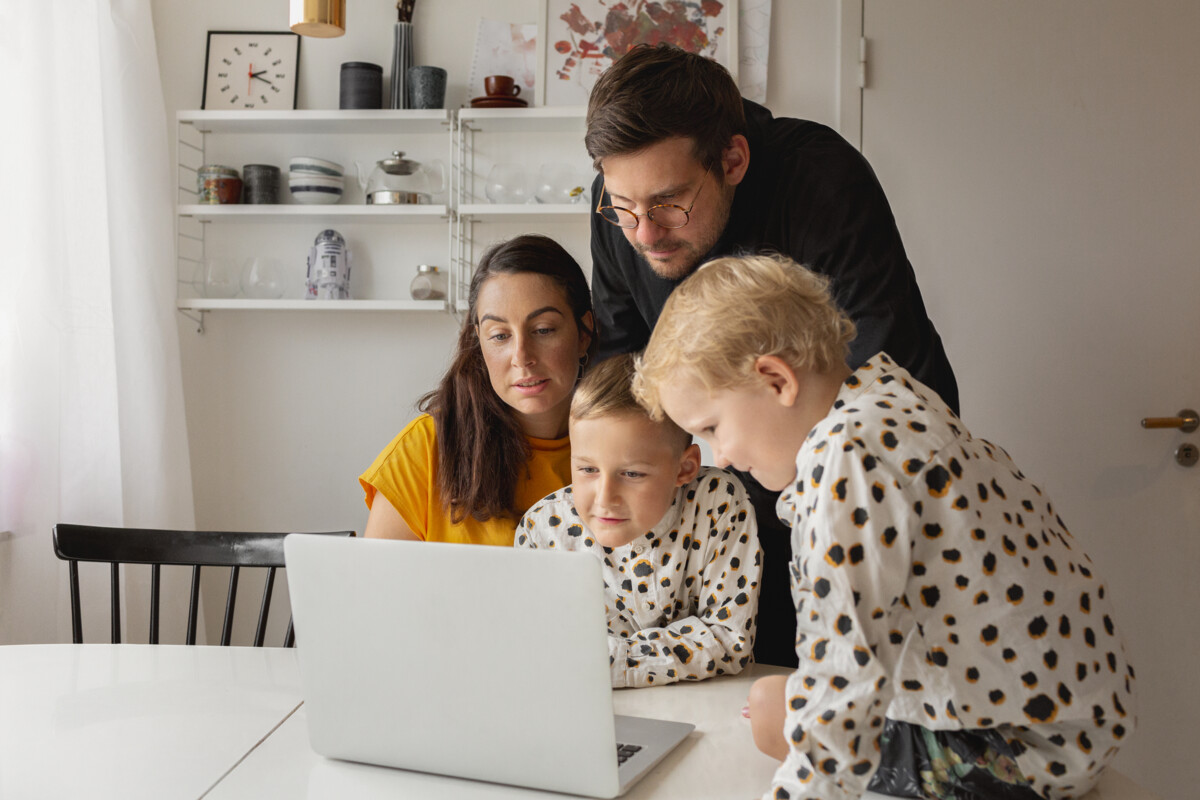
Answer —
658 92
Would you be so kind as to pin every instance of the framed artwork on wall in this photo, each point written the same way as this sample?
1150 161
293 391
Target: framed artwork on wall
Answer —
249 70
579 39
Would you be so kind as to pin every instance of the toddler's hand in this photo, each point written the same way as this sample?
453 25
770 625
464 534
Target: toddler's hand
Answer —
746 711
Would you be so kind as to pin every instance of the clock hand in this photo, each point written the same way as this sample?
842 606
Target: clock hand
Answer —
264 80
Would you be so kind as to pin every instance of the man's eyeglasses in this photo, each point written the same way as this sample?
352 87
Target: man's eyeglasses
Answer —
666 215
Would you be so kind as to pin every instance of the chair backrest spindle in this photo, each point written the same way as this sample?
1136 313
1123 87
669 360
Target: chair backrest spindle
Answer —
230 600
260 632
193 605
155 570
116 602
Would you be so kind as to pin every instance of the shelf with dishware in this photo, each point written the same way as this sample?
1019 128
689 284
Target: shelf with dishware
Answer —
517 170
386 223
402 224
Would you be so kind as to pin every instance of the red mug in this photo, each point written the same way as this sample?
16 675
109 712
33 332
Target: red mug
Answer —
501 86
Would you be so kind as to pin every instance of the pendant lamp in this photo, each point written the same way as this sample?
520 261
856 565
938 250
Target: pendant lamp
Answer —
321 18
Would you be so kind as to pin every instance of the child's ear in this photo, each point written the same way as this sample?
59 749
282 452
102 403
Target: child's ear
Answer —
689 465
779 377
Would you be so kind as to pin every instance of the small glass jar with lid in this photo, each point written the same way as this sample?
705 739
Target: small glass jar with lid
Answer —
429 283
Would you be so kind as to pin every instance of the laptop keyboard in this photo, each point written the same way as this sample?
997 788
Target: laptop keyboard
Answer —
626 751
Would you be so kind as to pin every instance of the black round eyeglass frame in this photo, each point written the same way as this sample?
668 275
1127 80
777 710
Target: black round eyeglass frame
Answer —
628 219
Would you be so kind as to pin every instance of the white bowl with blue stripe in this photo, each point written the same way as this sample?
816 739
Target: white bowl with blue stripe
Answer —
296 179
310 165
312 190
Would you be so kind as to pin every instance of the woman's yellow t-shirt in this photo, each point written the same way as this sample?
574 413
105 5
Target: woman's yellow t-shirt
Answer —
406 474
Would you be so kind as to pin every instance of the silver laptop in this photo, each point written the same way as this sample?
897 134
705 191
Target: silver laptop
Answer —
487 663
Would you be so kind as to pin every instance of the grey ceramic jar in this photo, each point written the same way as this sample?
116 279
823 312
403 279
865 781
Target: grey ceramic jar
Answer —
426 87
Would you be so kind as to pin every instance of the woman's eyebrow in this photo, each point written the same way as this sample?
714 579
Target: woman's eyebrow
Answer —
531 315
543 310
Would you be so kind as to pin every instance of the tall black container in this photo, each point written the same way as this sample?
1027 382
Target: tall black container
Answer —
361 85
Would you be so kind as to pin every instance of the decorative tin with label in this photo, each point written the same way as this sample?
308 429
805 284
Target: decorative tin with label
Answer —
216 183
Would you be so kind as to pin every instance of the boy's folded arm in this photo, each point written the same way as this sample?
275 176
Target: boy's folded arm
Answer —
718 638
686 649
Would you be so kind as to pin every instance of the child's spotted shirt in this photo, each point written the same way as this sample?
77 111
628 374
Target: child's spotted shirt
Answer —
936 585
680 599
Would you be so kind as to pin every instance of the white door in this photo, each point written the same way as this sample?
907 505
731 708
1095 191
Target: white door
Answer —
1043 162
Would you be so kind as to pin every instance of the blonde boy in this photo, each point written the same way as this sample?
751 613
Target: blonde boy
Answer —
677 541
952 635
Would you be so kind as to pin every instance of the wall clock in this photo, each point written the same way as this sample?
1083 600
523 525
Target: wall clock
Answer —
251 70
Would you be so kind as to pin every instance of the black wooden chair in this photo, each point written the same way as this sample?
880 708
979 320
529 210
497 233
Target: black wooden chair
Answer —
116 546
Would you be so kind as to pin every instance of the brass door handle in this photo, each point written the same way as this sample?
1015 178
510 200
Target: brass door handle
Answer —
1187 421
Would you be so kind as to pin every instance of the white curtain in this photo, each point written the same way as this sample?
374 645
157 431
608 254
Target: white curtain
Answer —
91 401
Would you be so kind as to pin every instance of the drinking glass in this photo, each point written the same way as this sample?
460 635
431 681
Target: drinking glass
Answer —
559 183
221 278
508 183
262 278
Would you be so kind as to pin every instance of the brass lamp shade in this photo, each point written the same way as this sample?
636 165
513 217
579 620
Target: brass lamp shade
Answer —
321 18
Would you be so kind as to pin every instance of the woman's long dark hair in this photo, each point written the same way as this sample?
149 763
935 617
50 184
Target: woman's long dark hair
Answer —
482 450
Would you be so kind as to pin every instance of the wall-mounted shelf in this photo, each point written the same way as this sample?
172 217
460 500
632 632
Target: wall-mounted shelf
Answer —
297 213
545 119
318 122
512 213
239 304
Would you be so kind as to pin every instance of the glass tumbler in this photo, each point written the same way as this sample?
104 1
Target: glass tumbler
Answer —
222 278
507 184
559 183
262 278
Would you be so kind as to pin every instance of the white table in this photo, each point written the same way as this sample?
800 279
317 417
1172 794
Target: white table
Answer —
165 721
718 760
135 721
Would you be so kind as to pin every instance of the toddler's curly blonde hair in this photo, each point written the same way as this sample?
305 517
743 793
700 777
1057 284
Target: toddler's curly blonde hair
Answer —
732 310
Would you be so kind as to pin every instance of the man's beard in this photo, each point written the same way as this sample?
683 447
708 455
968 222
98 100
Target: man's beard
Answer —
689 255
675 269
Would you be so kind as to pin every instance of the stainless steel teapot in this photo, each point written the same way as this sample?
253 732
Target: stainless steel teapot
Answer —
400 180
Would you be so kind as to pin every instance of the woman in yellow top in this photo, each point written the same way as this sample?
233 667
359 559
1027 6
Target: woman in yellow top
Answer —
493 438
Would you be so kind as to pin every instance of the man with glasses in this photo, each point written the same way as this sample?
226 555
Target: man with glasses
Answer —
690 171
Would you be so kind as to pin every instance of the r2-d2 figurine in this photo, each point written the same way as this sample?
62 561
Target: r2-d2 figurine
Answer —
328 268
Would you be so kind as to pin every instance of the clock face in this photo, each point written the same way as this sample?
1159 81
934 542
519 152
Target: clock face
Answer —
251 70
